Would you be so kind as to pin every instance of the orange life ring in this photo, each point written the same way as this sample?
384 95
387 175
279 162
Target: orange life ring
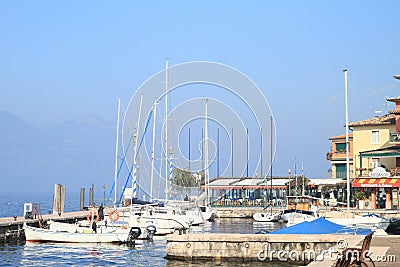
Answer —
114 215
95 215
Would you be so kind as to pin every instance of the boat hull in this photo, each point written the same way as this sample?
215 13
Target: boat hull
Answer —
34 234
290 215
266 217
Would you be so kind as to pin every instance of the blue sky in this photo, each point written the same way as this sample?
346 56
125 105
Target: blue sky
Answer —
62 60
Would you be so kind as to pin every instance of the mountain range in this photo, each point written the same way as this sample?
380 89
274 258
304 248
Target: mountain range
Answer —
75 154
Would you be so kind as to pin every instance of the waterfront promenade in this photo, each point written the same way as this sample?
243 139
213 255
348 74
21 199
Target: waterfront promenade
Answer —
385 252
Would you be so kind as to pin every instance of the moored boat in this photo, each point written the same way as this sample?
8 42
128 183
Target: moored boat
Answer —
35 234
266 217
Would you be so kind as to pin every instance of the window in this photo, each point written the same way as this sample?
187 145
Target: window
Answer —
375 137
341 170
341 147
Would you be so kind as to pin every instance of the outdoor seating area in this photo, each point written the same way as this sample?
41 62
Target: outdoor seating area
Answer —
238 202
395 171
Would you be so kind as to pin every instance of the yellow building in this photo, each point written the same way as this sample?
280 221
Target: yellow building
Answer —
376 157
372 135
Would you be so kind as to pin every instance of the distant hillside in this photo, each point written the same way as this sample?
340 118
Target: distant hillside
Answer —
75 153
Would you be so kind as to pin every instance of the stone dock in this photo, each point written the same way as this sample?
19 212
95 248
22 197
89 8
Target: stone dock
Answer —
314 250
251 247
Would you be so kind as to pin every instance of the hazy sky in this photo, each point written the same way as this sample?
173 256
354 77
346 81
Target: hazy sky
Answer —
62 60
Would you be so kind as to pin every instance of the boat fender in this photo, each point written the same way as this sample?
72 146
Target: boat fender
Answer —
94 214
114 215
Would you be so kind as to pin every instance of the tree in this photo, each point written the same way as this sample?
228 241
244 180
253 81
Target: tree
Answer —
183 178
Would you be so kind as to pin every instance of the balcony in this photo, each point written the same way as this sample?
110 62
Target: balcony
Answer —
328 155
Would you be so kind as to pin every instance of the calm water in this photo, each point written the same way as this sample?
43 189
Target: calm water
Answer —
12 204
146 254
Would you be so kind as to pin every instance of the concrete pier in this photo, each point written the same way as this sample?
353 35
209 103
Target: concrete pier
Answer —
253 247
239 212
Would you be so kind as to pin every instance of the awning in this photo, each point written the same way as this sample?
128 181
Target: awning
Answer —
387 152
376 182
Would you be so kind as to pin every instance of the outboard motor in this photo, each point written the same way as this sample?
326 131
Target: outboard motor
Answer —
151 230
134 233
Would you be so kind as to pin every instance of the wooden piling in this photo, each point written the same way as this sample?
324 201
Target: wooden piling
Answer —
59 199
82 199
91 196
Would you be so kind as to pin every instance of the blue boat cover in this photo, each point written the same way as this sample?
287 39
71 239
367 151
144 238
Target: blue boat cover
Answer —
321 226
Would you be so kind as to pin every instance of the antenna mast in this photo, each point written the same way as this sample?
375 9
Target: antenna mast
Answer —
116 156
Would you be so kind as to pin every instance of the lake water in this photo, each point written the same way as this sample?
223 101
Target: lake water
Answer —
146 254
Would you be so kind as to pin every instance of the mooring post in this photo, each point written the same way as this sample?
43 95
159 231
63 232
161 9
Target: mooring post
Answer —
82 199
59 199
91 196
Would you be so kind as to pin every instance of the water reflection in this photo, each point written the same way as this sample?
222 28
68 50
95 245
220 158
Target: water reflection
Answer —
55 254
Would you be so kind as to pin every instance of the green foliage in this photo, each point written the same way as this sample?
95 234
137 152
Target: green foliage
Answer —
359 195
183 178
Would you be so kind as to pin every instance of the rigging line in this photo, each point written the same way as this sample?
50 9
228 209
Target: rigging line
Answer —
140 144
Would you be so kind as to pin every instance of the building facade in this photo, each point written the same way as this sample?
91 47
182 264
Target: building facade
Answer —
337 156
375 159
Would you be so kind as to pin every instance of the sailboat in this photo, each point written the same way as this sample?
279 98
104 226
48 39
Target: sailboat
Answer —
91 231
268 216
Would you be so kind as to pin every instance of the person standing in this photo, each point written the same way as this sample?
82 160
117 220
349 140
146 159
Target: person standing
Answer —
100 212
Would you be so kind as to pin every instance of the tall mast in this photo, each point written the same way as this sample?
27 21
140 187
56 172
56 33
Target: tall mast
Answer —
152 150
347 141
271 167
207 175
166 129
116 156
218 152
302 177
134 180
261 146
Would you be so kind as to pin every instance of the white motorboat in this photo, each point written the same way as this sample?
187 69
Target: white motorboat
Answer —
35 234
208 214
266 217
373 222
164 221
292 215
